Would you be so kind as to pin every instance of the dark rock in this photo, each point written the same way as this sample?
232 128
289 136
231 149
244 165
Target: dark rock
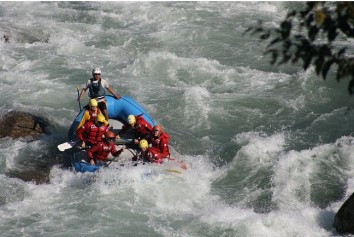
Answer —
344 219
16 124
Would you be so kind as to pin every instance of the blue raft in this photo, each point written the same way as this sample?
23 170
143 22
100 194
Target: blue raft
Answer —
118 110
83 167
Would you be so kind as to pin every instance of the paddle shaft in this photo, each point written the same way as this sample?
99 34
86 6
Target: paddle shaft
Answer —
107 164
78 96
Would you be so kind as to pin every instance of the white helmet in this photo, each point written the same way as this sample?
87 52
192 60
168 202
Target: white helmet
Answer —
96 71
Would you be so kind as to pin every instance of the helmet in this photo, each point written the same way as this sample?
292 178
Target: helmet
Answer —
143 144
157 128
96 71
93 102
131 119
100 118
109 134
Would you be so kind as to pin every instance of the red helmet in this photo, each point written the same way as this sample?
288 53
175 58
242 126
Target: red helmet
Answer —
157 129
109 134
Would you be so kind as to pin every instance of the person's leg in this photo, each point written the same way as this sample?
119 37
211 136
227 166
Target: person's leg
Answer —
103 107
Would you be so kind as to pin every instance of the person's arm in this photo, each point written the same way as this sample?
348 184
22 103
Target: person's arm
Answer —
79 133
110 90
85 118
146 125
82 93
148 128
116 153
164 147
91 151
125 127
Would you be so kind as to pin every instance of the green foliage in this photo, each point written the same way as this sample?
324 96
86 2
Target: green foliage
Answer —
310 35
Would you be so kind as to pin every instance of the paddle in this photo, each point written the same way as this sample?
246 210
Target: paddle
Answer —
173 171
181 164
69 145
107 164
122 141
78 96
66 145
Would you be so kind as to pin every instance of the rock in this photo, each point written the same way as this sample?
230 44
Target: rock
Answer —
344 219
16 124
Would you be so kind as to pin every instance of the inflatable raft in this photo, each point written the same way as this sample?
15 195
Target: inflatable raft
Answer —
118 111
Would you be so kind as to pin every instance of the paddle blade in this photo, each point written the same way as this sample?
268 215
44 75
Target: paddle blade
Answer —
183 166
65 146
173 171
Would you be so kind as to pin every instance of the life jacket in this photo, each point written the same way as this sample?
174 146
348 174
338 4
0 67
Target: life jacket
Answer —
154 155
142 128
103 150
161 143
89 115
90 133
96 89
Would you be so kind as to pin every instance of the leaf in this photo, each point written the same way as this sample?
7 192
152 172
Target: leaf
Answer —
309 20
313 33
291 14
306 45
286 58
248 30
297 56
274 53
320 17
325 50
307 61
265 36
351 85
332 33
276 40
327 65
340 71
318 64
285 29
341 51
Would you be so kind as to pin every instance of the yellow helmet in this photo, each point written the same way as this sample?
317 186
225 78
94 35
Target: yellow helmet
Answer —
131 119
143 144
93 102
100 118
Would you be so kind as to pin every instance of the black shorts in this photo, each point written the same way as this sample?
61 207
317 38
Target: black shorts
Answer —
102 105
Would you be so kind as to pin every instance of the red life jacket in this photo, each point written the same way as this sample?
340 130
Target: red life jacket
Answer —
154 155
101 150
142 128
161 143
90 133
